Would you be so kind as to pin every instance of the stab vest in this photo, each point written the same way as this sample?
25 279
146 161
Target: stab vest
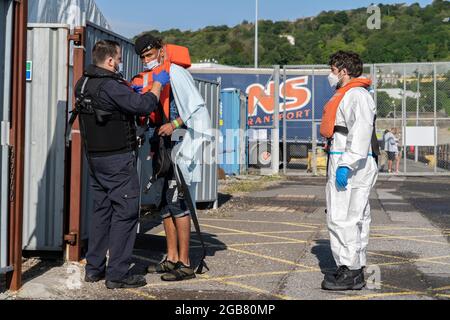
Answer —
104 129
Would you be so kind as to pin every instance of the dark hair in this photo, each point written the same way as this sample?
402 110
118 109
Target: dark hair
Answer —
347 60
103 50
147 42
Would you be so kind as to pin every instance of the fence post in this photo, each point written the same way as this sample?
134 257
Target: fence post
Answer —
17 136
73 238
285 161
313 124
435 117
276 124
404 121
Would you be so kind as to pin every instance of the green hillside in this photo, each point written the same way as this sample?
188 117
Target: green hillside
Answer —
407 34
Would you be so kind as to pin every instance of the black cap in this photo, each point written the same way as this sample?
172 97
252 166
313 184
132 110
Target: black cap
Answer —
146 42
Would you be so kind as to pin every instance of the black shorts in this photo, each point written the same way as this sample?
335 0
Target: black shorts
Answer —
173 204
391 156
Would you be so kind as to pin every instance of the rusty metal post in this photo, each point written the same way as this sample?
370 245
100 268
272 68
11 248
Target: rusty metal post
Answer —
17 133
73 238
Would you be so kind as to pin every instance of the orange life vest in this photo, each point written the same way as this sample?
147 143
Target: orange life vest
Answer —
173 54
330 110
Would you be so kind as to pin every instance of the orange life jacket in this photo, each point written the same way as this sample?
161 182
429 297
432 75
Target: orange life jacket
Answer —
330 110
173 54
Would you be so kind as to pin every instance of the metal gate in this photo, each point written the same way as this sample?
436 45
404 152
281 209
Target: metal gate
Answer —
413 101
6 12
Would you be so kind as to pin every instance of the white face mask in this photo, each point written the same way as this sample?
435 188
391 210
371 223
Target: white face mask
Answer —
152 64
119 68
333 80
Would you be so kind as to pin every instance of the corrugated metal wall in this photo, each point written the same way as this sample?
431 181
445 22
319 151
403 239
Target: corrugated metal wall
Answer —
132 66
46 108
207 190
6 11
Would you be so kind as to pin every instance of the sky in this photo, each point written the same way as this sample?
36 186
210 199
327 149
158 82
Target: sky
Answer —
132 17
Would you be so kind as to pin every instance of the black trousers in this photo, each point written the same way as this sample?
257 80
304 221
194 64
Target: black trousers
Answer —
115 188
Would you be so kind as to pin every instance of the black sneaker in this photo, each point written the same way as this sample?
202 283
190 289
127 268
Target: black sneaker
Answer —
180 273
135 281
163 267
94 278
344 279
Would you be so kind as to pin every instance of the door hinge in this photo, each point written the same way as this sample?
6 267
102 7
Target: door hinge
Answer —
71 238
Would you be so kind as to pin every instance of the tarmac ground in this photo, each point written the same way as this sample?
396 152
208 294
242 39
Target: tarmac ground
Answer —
271 242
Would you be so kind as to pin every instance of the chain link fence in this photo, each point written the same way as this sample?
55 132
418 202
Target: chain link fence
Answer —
413 102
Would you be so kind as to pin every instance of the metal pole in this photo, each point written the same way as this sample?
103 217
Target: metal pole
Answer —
276 124
17 134
285 162
73 239
435 119
256 35
416 149
404 120
313 123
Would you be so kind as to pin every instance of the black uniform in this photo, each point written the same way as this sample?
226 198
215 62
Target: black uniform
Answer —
107 109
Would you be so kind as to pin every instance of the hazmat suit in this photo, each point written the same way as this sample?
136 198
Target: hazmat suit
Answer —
348 210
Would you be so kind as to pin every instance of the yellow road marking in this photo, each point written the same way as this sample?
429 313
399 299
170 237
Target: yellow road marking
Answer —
386 236
442 289
225 246
250 288
386 256
259 235
264 232
382 295
381 228
273 258
443 295
142 294
259 221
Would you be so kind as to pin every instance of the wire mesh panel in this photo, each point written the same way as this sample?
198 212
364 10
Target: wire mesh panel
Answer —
305 91
411 100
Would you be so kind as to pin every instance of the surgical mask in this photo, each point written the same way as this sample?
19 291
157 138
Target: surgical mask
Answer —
152 64
333 80
119 68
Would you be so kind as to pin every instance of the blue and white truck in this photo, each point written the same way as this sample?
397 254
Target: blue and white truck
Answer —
303 94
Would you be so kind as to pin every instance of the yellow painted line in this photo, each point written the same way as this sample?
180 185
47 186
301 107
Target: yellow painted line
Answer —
225 246
142 294
382 295
264 232
428 260
267 222
442 289
257 235
251 288
443 295
273 259
386 236
381 228
386 256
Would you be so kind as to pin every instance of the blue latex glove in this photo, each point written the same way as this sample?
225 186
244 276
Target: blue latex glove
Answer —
163 77
137 89
342 174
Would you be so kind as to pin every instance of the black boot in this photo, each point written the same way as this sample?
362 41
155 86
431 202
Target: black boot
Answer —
135 281
344 279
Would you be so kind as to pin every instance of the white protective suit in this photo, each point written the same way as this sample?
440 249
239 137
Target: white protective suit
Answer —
348 211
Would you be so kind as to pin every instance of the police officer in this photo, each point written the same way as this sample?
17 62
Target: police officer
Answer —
107 108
